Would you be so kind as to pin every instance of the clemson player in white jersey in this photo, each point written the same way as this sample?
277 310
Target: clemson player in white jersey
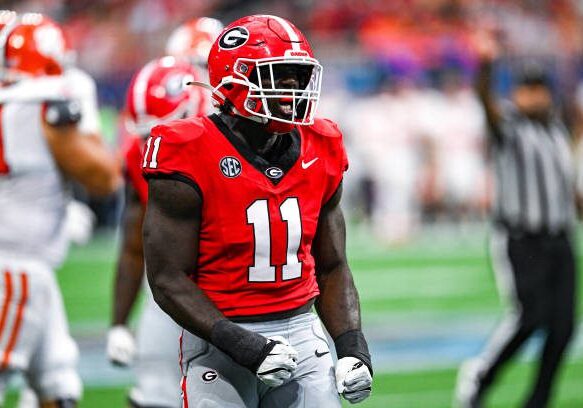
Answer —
157 93
42 145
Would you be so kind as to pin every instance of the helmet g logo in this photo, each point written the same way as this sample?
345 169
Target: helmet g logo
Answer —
234 38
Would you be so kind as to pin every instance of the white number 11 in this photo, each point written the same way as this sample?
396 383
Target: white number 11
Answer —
258 215
153 160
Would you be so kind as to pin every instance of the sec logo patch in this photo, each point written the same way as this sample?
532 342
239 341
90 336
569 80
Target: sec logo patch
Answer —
209 376
230 166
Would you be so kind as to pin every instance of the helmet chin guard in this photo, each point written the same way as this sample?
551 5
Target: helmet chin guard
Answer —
303 102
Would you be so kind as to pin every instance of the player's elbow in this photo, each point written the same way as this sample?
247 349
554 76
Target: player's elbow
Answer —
103 179
334 267
162 288
108 184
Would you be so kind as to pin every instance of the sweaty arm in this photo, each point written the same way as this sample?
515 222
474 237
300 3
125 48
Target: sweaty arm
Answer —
338 305
130 266
171 241
83 158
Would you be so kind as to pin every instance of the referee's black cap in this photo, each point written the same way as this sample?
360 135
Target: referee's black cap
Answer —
532 73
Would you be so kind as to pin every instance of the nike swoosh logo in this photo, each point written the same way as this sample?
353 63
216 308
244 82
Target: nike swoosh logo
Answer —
318 354
308 164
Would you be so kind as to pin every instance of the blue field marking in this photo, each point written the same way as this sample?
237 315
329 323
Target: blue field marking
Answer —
424 347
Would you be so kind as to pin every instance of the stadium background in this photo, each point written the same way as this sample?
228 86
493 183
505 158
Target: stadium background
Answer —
397 78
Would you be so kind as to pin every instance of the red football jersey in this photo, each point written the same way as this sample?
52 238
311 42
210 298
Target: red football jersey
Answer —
258 219
133 167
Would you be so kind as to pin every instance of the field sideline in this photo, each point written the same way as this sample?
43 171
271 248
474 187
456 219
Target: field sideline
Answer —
426 306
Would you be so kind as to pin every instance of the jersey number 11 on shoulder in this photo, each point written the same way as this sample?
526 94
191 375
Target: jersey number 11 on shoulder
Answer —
154 159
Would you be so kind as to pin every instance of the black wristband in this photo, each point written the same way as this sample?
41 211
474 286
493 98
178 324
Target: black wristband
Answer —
62 113
353 344
245 347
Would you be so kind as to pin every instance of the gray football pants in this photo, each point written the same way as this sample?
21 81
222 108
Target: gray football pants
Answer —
212 379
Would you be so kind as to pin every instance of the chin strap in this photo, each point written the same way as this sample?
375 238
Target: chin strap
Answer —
273 126
219 94
201 84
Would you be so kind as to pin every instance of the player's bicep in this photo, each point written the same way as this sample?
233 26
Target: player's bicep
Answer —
329 246
171 227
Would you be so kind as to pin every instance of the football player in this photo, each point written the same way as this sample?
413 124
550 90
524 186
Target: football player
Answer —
157 93
193 40
243 232
43 143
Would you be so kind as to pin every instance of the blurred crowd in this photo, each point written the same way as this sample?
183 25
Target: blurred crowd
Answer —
398 78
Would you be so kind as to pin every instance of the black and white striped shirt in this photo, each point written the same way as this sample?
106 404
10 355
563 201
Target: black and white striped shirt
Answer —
534 175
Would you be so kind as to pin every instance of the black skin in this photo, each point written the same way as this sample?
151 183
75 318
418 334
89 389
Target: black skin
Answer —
171 239
130 264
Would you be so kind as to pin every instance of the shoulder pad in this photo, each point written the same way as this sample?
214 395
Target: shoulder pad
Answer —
180 130
326 127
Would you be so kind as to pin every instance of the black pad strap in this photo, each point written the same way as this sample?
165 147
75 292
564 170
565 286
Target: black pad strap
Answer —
62 113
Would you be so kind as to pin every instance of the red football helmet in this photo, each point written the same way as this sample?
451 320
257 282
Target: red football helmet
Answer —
247 64
193 39
158 92
31 45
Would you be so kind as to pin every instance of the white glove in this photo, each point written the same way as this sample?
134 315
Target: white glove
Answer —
121 347
79 222
353 379
280 363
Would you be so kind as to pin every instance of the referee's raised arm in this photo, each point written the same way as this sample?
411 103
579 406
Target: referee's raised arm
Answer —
488 50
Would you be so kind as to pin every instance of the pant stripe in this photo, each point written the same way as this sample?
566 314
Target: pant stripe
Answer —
18 323
7 299
184 396
506 283
502 267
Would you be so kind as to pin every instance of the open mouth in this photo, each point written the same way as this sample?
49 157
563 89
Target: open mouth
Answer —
286 108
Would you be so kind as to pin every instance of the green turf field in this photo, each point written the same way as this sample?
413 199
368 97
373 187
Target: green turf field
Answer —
441 277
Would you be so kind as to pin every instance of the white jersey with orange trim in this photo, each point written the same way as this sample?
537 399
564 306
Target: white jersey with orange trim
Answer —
33 193
34 196
81 86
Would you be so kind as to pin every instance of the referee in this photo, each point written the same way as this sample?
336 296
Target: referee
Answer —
532 240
